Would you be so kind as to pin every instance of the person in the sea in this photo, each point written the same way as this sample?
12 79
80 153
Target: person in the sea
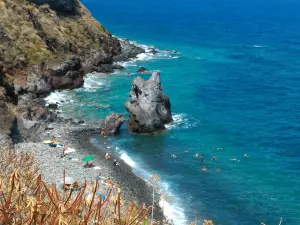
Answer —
202 158
197 155
185 150
218 170
235 159
173 156
102 132
246 155
203 169
217 148
214 158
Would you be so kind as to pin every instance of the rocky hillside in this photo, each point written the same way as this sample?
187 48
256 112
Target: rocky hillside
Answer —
35 40
47 45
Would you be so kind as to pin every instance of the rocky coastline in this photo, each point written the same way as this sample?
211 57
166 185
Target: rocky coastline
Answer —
25 118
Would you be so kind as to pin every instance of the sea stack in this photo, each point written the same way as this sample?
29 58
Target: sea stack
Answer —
149 109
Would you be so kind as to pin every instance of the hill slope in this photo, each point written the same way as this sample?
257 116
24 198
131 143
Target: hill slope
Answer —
35 40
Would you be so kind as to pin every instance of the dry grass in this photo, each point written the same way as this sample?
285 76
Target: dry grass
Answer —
26 199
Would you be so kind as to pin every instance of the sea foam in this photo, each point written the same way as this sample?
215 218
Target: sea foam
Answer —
172 210
182 121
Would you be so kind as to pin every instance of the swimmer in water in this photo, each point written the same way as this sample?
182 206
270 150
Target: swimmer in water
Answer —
203 169
218 149
246 155
185 150
235 159
214 158
218 170
202 158
173 156
197 155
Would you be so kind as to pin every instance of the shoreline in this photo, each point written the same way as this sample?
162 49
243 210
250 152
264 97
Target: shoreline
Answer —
78 136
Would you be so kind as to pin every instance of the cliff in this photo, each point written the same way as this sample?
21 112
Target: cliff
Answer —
47 45
42 49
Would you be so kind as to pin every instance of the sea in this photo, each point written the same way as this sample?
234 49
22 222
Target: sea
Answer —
232 71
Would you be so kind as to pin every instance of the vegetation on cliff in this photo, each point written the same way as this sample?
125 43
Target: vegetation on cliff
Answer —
36 37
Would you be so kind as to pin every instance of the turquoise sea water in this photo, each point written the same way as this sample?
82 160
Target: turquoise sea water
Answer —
235 85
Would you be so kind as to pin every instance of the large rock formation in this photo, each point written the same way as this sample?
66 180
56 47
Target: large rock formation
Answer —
112 124
149 109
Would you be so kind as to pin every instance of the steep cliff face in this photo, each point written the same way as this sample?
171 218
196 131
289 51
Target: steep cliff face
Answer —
58 5
42 49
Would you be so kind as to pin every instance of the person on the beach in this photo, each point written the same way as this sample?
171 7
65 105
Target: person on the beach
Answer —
116 163
64 148
107 156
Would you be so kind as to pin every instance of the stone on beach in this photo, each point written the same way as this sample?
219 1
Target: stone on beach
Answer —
149 109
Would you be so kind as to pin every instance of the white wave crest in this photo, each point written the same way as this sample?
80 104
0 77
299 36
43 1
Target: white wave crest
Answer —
182 121
127 159
171 210
58 97
150 53
259 46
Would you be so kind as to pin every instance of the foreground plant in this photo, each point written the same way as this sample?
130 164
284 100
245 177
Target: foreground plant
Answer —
26 199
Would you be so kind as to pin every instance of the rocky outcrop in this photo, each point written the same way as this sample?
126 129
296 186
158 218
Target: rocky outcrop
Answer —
142 70
149 109
128 51
112 124
58 5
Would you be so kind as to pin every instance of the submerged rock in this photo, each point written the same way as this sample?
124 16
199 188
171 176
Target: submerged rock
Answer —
112 124
149 109
142 70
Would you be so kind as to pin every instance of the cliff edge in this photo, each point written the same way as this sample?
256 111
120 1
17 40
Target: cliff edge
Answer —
51 46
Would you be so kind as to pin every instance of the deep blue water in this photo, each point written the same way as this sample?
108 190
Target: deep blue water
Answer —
235 84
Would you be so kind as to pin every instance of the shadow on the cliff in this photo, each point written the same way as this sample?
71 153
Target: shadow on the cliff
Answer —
15 133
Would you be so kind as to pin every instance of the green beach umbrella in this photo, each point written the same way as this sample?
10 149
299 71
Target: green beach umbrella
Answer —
88 158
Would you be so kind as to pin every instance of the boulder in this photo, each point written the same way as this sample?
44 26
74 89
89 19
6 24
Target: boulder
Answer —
149 109
142 70
112 124
67 75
